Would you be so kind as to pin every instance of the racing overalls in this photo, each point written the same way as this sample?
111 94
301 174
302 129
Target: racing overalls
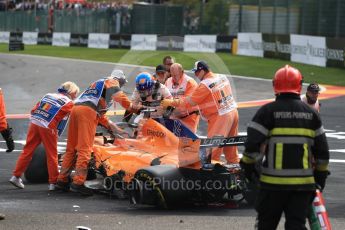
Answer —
48 119
294 146
159 92
89 111
3 121
217 105
315 106
5 130
184 88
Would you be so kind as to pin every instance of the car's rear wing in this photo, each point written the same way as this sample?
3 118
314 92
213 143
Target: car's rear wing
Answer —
222 141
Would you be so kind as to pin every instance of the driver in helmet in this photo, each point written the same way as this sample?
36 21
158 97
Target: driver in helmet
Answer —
148 93
311 96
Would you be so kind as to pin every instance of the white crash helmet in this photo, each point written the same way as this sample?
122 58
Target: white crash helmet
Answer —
120 76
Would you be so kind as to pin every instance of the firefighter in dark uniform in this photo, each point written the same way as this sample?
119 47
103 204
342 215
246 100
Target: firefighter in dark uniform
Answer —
287 138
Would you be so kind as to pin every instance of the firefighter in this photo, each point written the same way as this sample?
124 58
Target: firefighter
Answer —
180 86
294 149
311 96
48 120
217 105
5 129
148 93
89 111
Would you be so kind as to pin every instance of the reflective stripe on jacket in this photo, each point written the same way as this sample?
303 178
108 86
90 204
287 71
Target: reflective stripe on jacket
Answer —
295 144
205 96
51 110
101 94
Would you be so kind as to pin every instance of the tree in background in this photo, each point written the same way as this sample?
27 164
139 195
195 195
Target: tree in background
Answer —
216 16
211 16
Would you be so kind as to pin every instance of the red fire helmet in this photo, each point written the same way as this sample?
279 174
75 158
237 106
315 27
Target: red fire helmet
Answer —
287 80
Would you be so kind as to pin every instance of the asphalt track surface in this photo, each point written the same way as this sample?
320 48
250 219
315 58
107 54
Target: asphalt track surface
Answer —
24 79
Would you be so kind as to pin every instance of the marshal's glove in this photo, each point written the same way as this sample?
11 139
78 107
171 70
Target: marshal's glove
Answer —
7 135
320 178
170 102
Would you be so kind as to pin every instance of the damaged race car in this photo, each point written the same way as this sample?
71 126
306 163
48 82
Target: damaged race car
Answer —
164 164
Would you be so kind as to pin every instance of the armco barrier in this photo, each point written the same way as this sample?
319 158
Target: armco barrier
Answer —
311 50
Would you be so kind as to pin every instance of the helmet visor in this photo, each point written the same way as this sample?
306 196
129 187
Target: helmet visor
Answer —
145 93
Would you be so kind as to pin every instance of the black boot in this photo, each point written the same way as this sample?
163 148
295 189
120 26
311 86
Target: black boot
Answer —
7 135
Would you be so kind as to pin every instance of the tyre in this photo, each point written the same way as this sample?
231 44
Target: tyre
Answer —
158 185
37 171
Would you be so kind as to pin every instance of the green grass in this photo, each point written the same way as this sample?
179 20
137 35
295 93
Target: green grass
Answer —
219 62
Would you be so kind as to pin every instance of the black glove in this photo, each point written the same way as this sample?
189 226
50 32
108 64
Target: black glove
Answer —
248 170
320 178
7 135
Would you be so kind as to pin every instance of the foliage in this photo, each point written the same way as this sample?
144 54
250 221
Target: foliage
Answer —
217 16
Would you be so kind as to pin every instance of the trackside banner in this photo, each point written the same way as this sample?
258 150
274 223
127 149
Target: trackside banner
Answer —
4 37
313 50
99 41
61 39
200 43
335 52
45 38
250 44
170 43
308 49
125 41
276 46
16 37
81 40
30 38
224 43
119 41
144 42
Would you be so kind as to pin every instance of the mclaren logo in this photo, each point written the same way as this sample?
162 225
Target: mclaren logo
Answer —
155 133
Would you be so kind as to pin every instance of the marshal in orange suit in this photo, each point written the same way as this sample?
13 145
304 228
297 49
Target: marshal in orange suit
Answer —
217 105
48 119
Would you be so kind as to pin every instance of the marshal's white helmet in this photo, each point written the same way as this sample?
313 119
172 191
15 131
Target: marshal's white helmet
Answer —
120 76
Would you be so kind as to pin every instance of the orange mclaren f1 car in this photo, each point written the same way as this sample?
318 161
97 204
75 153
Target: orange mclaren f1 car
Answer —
164 165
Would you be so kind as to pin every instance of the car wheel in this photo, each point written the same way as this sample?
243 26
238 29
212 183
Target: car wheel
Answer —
158 185
37 171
